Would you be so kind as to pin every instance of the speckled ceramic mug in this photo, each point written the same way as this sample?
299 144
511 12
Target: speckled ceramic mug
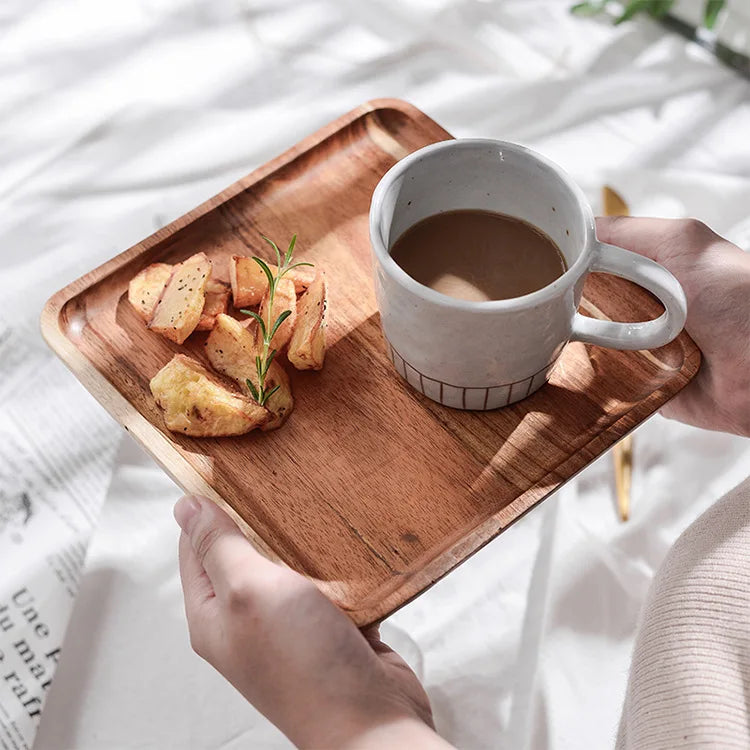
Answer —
483 355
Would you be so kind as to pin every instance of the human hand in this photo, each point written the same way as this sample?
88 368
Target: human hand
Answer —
291 652
715 275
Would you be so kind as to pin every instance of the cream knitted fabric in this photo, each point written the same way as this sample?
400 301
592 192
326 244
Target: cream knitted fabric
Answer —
689 682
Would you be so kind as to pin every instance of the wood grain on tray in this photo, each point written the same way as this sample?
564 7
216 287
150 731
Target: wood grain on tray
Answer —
370 489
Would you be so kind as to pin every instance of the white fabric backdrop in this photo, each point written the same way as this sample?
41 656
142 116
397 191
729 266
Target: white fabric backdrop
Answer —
119 116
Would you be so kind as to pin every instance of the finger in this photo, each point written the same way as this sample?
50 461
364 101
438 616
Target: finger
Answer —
640 235
200 600
196 586
219 546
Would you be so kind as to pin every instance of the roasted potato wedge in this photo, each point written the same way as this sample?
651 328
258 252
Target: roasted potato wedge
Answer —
285 298
146 287
307 347
231 350
181 303
216 303
249 283
197 403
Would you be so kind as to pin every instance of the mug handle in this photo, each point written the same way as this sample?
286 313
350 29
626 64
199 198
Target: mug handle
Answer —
649 275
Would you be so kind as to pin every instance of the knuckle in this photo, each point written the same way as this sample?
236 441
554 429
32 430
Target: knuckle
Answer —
240 596
693 228
245 596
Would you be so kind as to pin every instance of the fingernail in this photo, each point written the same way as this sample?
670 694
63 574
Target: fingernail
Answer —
185 510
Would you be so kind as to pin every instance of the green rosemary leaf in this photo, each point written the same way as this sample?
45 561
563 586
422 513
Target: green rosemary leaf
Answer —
711 12
275 248
290 250
257 317
295 265
261 384
301 263
271 392
253 389
269 359
278 322
260 373
266 270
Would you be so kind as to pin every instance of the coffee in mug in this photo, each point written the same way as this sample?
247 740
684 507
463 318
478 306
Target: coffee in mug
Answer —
478 255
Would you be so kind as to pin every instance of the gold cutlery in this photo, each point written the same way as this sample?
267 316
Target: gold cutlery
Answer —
614 205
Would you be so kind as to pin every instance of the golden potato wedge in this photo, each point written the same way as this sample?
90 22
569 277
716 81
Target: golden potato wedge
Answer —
146 287
307 347
216 302
181 303
231 349
196 402
284 299
249 283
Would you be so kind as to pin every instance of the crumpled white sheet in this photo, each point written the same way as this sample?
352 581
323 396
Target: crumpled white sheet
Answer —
119 116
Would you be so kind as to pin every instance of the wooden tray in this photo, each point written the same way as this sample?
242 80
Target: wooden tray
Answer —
370 489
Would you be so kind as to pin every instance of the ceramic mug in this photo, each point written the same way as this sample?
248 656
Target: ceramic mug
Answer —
483 355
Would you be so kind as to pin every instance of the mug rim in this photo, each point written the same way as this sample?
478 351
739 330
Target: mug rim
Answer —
542 295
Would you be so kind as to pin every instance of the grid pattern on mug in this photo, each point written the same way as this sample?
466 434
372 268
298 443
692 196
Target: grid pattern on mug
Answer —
467 397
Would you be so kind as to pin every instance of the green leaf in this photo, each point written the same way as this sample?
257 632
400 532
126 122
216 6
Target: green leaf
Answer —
660 8
278 322
261 379
257 317
632 8
271 392
711 12
290 250
588 8
295 265
269 359
253 389
266 270
275 248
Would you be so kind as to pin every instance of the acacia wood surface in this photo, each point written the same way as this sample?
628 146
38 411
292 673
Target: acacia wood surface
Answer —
370 489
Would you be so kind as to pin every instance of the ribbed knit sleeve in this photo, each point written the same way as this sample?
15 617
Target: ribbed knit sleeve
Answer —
689 682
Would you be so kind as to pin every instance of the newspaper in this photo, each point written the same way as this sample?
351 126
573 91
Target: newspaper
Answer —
56 449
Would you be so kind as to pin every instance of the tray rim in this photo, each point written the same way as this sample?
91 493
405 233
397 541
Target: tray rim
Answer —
161 449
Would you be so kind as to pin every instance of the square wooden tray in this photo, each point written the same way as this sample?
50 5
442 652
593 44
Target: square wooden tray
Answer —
370 489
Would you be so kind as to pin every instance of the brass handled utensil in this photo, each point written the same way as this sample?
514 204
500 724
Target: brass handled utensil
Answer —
622 453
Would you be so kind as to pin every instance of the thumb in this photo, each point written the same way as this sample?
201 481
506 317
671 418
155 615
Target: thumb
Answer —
220 548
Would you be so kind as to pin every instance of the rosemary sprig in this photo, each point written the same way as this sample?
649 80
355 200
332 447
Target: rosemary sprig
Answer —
264 359
656 8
